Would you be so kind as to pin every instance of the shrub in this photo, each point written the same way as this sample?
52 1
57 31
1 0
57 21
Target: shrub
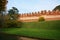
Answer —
41 19
7 22
13 24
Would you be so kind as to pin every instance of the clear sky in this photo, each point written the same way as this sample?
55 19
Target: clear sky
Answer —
26 6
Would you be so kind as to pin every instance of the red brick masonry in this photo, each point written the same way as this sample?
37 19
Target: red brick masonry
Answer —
34 16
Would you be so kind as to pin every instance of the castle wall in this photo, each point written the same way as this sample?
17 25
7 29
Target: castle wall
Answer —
34 16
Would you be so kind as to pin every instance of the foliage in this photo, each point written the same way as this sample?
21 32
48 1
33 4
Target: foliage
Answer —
57 8
10 19
3 5
13 24
2 11
41 19
10 23
14 10
13 13
2 20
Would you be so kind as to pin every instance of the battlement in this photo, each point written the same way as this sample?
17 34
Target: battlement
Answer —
39 13
34 16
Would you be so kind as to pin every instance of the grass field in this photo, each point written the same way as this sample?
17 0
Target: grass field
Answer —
47 30
52 25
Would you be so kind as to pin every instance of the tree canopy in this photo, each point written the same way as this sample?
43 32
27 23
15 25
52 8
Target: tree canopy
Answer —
14 10
2 11
57 8
13 13
3 5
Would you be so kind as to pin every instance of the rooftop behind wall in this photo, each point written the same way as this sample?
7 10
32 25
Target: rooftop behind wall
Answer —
39 13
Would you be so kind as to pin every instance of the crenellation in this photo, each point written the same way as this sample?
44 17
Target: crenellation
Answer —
53 12
33 13
29 15
57 12
49 12
39 13
36 13
48 15
44 12
25 15
20 15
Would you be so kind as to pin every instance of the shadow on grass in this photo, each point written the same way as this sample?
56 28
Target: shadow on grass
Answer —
4 36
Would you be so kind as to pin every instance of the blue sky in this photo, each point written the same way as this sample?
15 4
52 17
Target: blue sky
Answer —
26 6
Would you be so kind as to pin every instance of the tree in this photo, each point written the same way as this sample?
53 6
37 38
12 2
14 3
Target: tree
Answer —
13 13
57 8
12 18
2 11
3 5
14 10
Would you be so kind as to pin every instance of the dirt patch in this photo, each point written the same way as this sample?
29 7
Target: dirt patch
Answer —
25 38
28 38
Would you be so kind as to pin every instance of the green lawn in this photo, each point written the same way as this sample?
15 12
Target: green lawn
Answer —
52 25
47 30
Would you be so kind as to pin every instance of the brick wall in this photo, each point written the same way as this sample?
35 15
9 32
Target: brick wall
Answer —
34 16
